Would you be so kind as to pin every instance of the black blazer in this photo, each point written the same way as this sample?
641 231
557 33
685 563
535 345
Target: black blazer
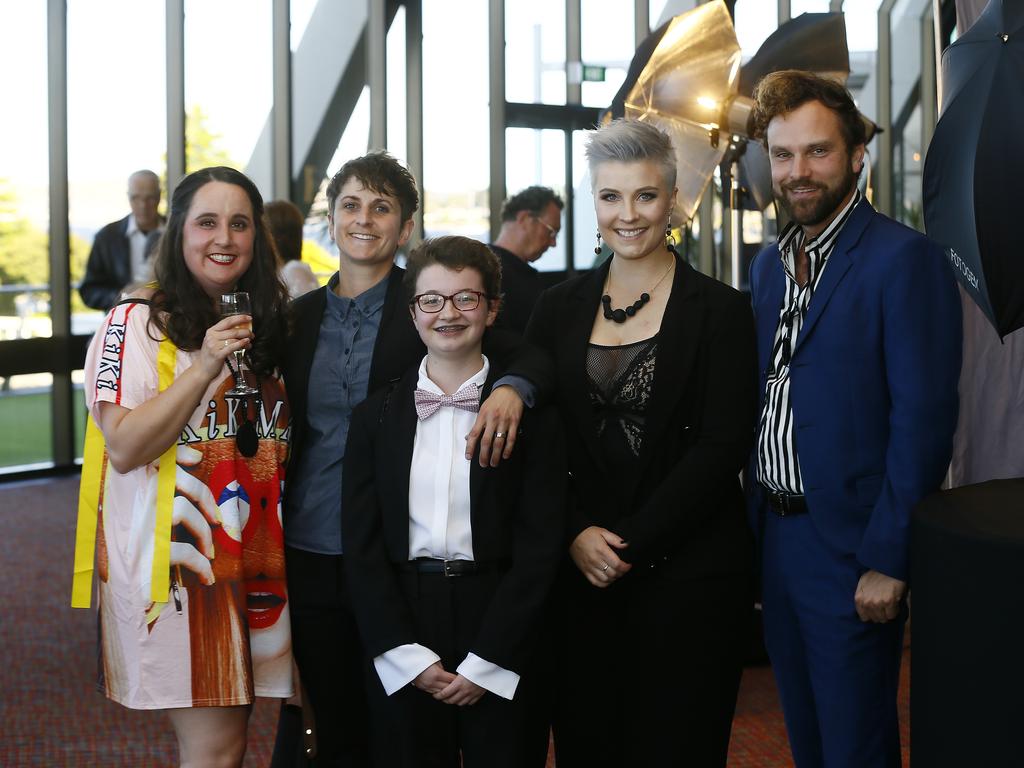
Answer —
397 348
521 286
681 507
516 513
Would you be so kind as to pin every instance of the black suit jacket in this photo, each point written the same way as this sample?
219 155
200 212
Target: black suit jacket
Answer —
109 268
397 348
681 507
521 286
516 517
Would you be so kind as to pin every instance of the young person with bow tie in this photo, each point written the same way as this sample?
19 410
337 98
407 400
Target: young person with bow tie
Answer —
348 339
449 563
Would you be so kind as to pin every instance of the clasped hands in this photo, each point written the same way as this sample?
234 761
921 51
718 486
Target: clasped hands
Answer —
446 687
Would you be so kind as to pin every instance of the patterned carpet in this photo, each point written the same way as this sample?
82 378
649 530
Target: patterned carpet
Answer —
51 714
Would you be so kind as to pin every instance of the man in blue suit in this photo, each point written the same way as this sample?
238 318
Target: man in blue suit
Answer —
858 326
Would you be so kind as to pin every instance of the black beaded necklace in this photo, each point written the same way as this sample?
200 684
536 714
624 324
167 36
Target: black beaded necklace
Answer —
622 315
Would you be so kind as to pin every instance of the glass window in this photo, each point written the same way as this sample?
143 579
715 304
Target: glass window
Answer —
456 123
585 219
909 164
78 409
228 80
755 21
607 43
116 123
538 157
655 8
25 412
862 24
24 175
534 52
396 63
300 12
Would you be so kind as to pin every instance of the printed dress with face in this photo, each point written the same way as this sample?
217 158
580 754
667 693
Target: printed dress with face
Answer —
221 636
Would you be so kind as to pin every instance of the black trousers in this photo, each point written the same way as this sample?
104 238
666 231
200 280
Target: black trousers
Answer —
330 658
412 730
648 669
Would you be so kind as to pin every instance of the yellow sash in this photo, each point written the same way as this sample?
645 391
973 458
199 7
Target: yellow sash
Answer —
94 470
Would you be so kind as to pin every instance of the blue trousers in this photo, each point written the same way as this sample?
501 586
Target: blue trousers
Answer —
837 676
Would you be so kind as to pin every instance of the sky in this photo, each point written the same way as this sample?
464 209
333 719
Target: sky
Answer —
116 83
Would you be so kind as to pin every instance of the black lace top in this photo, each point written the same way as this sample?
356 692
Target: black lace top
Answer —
621 379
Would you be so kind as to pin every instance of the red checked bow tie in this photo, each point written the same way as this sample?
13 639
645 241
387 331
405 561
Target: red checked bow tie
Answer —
428 403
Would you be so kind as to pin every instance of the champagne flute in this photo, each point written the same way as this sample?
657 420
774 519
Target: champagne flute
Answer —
238 304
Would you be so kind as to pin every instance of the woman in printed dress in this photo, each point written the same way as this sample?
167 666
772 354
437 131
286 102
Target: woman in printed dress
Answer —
221 634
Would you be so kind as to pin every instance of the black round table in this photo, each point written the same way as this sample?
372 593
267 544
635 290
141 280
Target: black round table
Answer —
967 602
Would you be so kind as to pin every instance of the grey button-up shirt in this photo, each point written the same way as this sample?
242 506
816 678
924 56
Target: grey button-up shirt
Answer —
339 382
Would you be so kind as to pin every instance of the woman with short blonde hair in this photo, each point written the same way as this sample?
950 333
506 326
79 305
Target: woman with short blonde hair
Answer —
656 384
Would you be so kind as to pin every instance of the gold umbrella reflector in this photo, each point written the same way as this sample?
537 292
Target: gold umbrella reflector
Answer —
687 88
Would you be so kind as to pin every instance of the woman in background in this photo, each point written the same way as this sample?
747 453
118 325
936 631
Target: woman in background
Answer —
656 385
286 222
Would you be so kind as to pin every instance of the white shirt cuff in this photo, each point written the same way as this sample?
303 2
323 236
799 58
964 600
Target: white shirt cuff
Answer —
400 666
498 680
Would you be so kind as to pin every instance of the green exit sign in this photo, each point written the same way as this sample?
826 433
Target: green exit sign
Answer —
593 74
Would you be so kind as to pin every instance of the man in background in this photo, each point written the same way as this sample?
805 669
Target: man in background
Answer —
530 222
121 250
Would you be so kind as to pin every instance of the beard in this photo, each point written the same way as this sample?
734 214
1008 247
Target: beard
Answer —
810 213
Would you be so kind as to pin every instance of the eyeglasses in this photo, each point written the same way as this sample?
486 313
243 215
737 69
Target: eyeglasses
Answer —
552 232
464 301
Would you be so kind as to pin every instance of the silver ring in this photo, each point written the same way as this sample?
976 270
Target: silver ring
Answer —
499 435
226 342
605 568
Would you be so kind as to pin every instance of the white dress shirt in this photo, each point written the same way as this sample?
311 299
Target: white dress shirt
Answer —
439 527
141 269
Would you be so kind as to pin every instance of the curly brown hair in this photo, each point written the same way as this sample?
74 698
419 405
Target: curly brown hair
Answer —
183 312
779 93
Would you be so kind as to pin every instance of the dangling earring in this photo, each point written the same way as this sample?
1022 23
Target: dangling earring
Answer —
597 248
670 239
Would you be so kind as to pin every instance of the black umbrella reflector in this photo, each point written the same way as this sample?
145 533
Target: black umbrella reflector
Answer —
815 42
976 162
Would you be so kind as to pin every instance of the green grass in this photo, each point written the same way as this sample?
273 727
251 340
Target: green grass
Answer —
25 424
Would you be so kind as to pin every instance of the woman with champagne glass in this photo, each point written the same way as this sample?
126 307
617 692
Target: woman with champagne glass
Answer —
193 604
655 373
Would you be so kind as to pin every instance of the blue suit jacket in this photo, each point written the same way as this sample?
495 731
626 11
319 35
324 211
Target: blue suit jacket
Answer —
874 377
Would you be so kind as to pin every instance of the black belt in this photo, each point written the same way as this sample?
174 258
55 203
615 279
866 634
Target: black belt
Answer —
786 504
449 567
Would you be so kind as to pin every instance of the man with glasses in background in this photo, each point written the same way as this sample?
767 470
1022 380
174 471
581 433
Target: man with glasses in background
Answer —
530 223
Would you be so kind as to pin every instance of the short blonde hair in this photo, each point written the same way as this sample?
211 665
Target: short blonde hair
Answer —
631 141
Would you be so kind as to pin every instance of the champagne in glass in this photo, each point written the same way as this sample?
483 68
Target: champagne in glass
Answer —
238 304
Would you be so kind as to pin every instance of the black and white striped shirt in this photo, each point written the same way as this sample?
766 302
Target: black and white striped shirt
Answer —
778 465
